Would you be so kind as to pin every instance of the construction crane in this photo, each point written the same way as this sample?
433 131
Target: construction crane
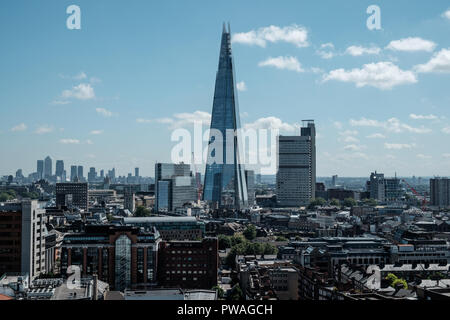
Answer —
198 183
418 195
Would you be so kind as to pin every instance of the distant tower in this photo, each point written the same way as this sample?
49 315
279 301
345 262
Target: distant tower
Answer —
59 168
40 169
48 167
224 181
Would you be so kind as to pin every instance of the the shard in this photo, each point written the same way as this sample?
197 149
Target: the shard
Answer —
225 184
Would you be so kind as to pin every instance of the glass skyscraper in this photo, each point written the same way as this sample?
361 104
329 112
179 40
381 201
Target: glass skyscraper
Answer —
225 183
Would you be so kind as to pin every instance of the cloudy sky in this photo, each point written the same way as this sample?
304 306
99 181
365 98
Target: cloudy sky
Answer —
110 94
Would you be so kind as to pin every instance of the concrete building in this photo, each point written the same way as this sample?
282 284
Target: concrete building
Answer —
128 200
296 175
123 256
22 238
170 228
250 179
377 187
73 194
188 264
440 192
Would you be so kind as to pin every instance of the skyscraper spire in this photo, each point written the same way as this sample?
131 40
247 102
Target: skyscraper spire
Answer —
225 182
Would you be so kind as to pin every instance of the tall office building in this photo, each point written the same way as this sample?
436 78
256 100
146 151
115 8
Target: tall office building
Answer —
393 189
102 174
73 173
136 172
40 169
377 186
80 173
296 175
48 167
24 249
440 192
225 182
334 180
174 186
59 169
250 180
92 175
128 200
72 195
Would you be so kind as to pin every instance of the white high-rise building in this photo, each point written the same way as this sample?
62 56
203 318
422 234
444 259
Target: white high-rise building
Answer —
296 175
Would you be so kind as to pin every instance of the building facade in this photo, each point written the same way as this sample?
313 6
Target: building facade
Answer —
225 184
22 238
73 194
440 192
296 175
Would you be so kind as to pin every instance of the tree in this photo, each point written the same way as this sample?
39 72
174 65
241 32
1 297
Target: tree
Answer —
220 291
236 293
335 202
142 212
224 242
281 238
5 197
349 202
316 202
250 232
370 202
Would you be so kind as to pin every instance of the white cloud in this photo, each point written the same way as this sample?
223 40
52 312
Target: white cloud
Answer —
96 132
19 127
104 112
353 147
294 34
44 129
338 125
391 125
359 50
350 139
446 14
446 130
80 76
326 51
423 117
399 146
423 156
83 91
88 141
411 44
376 136
439 63
288 63
381 75
241 86
270 123
69 141
180 120
446 155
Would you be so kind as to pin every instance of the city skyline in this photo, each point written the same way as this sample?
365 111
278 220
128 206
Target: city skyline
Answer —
91 103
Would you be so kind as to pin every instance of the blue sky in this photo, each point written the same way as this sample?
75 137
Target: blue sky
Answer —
110 94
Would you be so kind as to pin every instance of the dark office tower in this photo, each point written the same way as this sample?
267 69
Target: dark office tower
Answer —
136 172
224 179
73 173
40 169
250 180
72 195
48 167
440 192
102 174
59 168
80 173
92 175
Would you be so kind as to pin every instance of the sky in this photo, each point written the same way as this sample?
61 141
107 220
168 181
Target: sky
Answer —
111 93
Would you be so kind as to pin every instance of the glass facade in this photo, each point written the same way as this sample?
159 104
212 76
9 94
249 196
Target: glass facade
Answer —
225 178
123 263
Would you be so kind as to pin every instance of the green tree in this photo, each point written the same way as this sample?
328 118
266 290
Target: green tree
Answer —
250 232
281 238
5 197
349 202
220 291
335 202
224 242
316 202
236 293
370 202
142 212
